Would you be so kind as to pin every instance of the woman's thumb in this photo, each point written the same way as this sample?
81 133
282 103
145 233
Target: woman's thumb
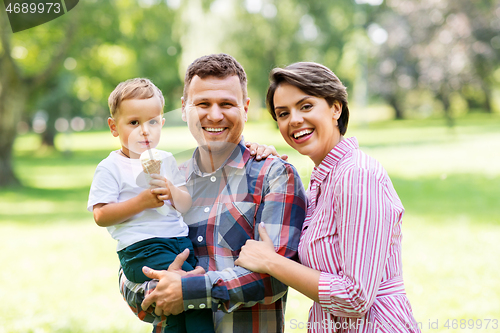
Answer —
263 233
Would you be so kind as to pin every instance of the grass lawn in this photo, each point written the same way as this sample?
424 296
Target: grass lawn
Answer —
60 269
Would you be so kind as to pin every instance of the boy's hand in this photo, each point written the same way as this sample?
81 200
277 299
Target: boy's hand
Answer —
161 187
150 199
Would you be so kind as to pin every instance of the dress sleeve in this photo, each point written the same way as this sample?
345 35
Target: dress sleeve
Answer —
282 208
362 216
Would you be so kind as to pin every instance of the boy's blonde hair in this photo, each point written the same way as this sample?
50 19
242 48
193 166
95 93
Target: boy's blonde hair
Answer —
138 88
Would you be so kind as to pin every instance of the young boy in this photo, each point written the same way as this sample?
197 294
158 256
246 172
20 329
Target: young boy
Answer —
143 212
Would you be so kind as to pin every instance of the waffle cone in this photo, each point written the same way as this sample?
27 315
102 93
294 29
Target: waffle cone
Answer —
152 166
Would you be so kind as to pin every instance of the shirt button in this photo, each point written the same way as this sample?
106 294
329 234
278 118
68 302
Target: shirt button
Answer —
200 239
190 306
213 179
206 210
202 306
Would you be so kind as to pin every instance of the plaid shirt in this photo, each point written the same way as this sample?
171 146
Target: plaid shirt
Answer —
227 206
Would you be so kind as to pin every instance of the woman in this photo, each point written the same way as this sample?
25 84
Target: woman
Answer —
350 246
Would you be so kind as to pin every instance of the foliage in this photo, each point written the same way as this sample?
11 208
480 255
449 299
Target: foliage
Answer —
449 48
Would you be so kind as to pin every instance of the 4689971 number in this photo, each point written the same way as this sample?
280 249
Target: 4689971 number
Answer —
41 8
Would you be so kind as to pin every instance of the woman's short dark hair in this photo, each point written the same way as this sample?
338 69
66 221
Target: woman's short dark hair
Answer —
313 79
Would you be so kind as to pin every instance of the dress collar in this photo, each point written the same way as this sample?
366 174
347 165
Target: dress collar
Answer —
320 172
237 159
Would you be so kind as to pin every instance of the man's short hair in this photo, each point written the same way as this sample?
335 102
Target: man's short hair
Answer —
138 88
218 65
313 79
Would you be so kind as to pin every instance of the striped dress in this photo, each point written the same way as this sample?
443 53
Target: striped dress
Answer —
352 234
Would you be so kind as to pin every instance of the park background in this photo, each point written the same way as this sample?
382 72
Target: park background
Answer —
424 88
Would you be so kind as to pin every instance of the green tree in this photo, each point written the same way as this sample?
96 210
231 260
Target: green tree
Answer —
267 34
23 73
69 66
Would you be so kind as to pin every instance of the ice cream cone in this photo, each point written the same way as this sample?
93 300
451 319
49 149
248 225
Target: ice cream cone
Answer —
152 167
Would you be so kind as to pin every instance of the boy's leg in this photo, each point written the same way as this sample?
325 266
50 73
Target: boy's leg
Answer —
156 253
199 321
191 261
176 324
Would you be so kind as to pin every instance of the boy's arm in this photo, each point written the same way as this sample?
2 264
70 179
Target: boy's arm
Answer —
178 195
108 214
181 199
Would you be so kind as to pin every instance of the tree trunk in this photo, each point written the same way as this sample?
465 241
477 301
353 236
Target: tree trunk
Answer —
49 135
12 103
445 99
487 99
398 111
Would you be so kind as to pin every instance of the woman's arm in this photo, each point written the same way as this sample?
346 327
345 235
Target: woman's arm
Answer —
364 234
260 257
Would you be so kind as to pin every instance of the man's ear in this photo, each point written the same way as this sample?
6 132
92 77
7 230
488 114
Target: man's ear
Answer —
245 106
183 102
112 127
337 110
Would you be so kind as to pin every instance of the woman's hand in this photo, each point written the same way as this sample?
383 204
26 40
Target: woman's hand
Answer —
262 151
255 255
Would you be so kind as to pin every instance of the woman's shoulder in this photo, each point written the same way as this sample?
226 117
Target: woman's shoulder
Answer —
357 161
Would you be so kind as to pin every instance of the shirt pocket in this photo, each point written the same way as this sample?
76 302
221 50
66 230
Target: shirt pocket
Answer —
236 224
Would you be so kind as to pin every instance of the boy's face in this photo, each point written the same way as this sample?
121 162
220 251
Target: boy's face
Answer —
138 123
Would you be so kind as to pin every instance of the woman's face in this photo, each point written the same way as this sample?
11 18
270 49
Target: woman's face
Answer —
308 124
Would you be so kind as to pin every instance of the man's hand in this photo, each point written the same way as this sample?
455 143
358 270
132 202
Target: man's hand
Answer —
262 151
176 265
168 293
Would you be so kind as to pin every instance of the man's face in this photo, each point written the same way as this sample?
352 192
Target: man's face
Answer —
215 111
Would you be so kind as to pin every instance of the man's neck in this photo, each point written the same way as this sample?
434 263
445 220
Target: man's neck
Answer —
212 159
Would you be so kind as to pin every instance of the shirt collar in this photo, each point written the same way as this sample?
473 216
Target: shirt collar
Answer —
333 158
238 158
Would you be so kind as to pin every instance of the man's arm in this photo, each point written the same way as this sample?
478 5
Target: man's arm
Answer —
282 207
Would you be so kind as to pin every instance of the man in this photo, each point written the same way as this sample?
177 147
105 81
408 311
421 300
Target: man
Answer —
231 194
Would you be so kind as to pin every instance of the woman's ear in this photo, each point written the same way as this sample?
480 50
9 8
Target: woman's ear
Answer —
336 110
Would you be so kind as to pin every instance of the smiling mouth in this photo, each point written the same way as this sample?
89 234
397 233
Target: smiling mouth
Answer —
302 133
214 129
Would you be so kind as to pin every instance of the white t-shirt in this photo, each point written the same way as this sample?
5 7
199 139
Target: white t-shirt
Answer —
119 179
